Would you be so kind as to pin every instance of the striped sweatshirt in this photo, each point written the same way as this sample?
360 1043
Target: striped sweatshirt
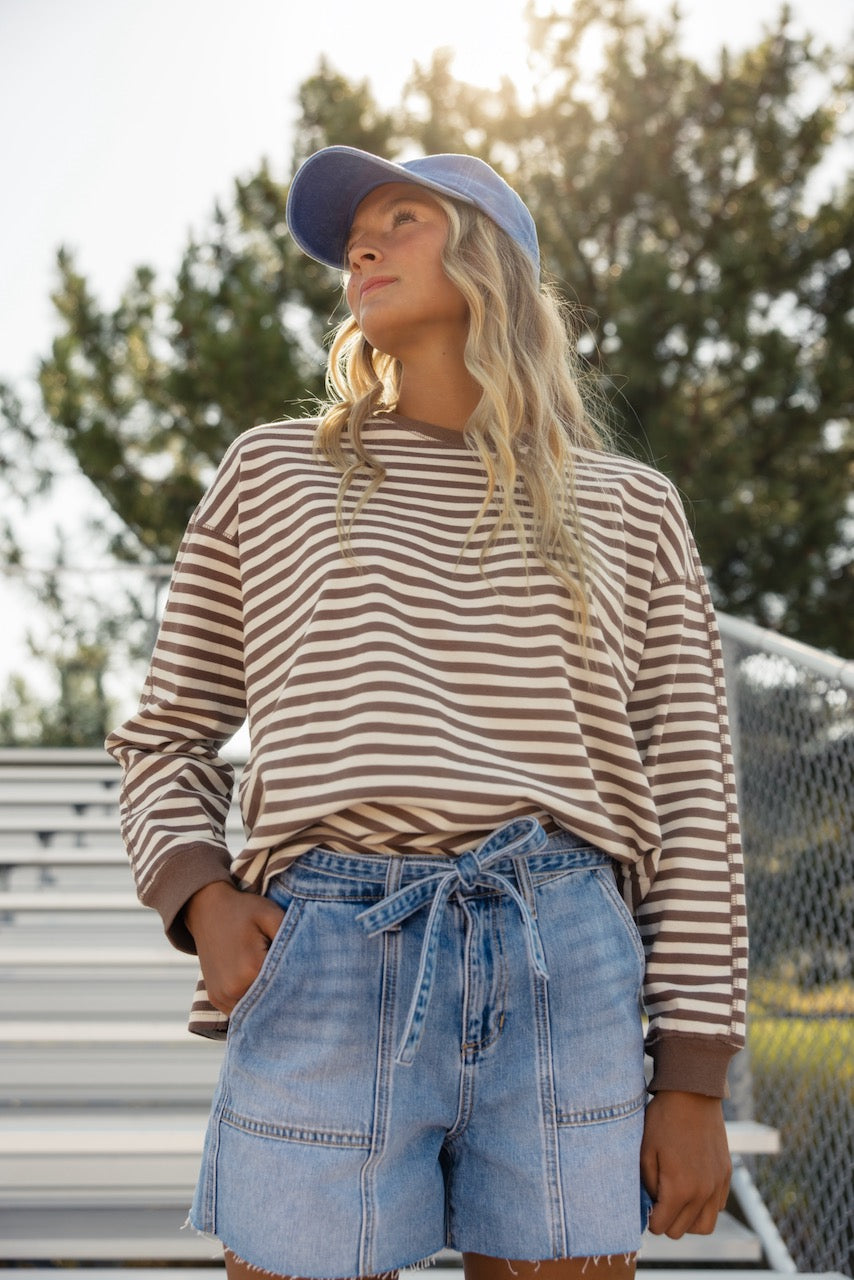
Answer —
413 695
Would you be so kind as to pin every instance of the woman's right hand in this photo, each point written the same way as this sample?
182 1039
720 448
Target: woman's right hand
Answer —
232 931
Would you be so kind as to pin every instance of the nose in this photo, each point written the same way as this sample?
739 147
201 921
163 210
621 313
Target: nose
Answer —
363 251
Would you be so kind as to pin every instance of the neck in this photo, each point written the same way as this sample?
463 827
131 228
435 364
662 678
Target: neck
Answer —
445 397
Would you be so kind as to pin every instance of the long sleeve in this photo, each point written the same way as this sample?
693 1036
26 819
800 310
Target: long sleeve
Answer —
176 788
411 702
689 897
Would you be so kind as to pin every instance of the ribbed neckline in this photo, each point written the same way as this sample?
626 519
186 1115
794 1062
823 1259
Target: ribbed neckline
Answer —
445 435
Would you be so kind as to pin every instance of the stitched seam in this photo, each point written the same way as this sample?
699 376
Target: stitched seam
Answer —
295 1133
213 532
247 1002
307 895
601 1115
478 1046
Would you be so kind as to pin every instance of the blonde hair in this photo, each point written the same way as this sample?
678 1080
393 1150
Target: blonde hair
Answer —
530 418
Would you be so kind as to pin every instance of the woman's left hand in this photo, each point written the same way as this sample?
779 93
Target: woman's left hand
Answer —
685 1162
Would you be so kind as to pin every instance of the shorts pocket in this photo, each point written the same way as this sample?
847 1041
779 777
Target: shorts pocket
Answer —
302 1053
278 946
595 963
605 878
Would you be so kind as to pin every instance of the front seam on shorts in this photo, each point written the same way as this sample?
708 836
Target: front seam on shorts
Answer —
378 1164
385 1054
548 1111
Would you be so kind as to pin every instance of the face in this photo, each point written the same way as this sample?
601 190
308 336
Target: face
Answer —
397 290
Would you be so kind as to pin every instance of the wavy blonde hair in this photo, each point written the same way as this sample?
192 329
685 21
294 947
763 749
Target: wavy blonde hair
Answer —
530 418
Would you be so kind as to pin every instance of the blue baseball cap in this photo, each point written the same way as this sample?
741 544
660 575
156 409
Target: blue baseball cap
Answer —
329 186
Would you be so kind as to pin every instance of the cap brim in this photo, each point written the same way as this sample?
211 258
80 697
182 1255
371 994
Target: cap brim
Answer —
326 192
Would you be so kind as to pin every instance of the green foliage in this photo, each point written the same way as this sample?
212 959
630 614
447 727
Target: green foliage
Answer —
148 397
77 714
332 110
677 205
674 204
74 654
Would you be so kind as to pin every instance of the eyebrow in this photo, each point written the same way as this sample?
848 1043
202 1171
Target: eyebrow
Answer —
418 196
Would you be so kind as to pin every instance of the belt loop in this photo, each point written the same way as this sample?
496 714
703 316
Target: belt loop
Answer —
393 877
470 869
525 881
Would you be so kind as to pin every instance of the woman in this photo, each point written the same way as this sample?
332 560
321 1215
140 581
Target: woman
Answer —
484 686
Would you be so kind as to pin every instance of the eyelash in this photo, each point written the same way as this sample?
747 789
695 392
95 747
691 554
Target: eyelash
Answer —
403 215
398 218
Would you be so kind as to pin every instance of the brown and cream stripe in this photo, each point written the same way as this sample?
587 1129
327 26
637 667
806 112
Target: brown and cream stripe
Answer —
407 700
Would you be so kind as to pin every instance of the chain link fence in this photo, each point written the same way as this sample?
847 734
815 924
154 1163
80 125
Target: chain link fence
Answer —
793 729
792 711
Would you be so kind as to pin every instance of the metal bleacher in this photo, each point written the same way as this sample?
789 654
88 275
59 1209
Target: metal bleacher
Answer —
103 1093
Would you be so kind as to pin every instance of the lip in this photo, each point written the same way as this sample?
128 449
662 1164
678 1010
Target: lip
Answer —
374 282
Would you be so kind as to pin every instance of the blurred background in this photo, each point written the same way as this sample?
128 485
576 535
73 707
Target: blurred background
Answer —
691 171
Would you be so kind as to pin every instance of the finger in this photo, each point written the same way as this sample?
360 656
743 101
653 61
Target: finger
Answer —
238 983
706 1217
649 1174
679 1204
649 1169
269 925
664 1213
696 1215
682 1221
225 994
706 1221
723 1190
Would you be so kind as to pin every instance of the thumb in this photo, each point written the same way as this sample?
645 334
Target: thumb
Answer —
268 918
649 1168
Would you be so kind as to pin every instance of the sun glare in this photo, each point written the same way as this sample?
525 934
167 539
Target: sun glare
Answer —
488 43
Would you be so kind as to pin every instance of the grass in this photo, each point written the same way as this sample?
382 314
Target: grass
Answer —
799 1033
777 996
802 1061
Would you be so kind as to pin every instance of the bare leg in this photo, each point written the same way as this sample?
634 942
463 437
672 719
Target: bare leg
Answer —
479 1267
237 1269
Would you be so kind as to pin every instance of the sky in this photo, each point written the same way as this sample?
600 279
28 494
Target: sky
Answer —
122 122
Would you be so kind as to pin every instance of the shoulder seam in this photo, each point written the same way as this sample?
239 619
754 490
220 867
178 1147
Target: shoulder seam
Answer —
214 532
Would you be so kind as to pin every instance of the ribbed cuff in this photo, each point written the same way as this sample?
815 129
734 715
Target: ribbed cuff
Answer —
183 875
693 1064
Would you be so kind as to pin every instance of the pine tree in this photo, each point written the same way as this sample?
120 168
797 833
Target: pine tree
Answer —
680 208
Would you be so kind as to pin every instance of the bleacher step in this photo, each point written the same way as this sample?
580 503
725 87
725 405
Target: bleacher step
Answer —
179 1132
101 1075
127 1233
63 957
115 1184
81 904
103 1094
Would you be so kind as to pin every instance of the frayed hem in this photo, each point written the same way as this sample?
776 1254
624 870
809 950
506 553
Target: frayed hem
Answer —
595 1259
250 1266
422 1265
188 1225
625 1258
375 1275
425 1264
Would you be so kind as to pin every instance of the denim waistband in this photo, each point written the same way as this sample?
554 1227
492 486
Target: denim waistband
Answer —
369 875
504 862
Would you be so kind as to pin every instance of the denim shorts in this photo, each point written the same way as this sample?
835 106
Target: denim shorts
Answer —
437 1053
